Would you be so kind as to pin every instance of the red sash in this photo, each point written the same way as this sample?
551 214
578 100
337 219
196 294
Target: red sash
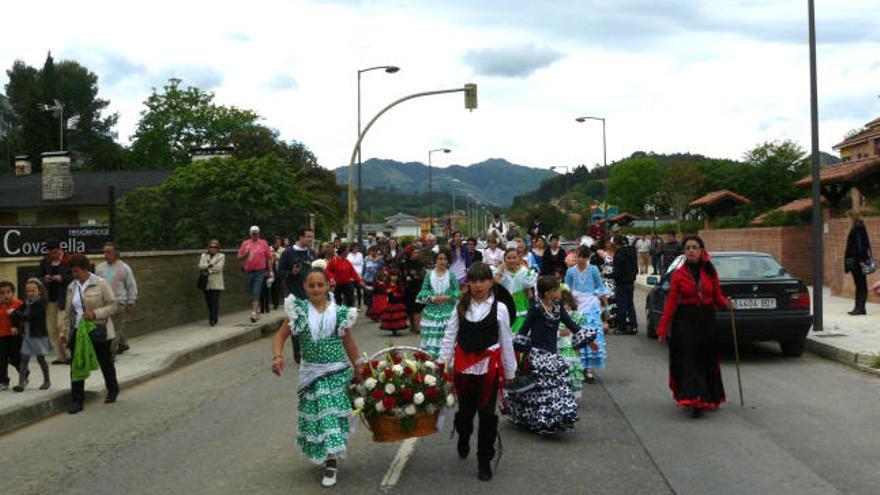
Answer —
494 371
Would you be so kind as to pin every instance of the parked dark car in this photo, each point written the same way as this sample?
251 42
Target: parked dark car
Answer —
771 304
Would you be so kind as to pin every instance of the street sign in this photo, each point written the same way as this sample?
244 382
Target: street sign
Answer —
24 241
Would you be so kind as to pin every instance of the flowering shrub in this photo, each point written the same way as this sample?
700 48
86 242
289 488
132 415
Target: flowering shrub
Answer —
401 386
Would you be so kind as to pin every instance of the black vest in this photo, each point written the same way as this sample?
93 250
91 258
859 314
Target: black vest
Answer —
474 337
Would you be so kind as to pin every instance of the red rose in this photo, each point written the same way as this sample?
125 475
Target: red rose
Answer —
441 366
389 402
406 394
388 373
367 370
407 371
447 377
377 394
432 393
374 363
420 378
395 360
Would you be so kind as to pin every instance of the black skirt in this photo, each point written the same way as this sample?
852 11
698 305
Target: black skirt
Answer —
694 363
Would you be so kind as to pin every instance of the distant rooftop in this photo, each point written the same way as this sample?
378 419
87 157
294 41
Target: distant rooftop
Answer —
90 188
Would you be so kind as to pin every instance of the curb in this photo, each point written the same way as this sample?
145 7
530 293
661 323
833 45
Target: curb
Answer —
59 400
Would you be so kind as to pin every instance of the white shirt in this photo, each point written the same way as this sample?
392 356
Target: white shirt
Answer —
357 261
643 245
493 257
77 302
476 312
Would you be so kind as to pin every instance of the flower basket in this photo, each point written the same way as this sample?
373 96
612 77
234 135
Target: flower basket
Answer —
400 392
388 428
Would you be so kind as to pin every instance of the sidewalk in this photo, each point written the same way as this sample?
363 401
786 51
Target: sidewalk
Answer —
150 356
851 340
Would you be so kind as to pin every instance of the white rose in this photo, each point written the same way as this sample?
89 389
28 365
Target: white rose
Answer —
430 380
382 366
359 403
418 398
397 369
410 363
430 365
379 407
370 383
410 410
390 388
450 400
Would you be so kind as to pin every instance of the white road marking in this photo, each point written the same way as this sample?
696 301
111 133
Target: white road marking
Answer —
396 469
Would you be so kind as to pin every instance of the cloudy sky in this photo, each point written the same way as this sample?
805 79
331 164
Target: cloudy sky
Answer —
705 76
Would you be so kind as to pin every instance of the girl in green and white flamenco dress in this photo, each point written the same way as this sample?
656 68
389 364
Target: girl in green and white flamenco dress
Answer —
328 348
440 292
520 281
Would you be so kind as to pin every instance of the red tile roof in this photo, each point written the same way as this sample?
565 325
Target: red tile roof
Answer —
715 197
858 138
798 206
844 172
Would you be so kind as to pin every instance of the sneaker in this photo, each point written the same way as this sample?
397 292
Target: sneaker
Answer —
45 386
329 478
20 387
4 387
254 317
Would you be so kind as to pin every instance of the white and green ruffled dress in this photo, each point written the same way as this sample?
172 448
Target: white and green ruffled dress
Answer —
517 283
436 316
324 374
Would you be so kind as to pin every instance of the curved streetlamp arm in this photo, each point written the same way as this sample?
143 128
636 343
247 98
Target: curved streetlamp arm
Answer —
392 105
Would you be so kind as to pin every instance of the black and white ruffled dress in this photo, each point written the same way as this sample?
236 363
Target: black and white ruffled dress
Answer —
548 405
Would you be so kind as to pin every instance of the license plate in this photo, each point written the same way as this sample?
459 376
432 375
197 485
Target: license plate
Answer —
755 303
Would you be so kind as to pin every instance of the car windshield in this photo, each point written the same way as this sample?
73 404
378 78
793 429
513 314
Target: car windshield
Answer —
748 267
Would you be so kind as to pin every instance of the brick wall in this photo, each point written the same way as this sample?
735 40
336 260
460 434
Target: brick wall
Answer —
835 244
792 246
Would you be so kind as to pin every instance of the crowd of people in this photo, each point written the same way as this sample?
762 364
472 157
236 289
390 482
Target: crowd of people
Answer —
520 322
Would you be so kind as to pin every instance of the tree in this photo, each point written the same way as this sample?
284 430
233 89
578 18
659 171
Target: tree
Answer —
178 119
633 182
32 130
682 183
770 172
220 198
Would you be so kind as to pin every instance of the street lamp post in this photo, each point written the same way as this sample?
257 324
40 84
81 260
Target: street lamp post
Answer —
390 69
604 156
818 265
431 188
566 174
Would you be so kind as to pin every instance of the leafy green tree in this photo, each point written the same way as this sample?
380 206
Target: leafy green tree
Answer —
31 130
682 183
633 182
178 119
220 198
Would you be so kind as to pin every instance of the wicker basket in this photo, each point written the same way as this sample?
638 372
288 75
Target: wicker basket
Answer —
387 428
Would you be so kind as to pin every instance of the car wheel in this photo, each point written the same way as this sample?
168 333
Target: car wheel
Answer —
792 348
652 327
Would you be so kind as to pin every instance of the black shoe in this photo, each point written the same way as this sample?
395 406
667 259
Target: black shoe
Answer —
464 447
59 361
696 412
485 471
111 397
75 407
121 349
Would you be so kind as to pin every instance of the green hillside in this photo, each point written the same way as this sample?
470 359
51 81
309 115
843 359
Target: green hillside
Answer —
494 181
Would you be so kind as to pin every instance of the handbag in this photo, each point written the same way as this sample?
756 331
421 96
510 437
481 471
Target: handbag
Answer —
870 266
202 282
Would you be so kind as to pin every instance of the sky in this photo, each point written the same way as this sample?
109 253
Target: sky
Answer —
714 77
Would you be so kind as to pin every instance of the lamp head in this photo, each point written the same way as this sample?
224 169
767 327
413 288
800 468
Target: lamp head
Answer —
391 69
446 150
581 119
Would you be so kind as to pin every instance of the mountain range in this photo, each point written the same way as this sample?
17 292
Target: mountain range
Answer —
495 181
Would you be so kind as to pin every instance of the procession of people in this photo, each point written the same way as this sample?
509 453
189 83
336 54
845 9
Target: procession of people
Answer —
521 330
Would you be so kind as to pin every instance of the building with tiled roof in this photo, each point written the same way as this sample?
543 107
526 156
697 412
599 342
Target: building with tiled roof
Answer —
864 144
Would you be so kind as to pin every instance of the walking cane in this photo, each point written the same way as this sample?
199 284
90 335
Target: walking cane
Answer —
736 354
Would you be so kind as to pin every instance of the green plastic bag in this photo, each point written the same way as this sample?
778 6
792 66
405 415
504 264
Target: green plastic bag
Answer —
84 358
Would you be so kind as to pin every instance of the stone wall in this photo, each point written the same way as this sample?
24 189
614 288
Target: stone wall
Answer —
167 287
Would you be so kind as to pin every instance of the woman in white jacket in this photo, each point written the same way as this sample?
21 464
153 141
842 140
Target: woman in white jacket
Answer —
212 262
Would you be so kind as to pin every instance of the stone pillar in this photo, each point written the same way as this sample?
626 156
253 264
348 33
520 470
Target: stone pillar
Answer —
23 165
57 179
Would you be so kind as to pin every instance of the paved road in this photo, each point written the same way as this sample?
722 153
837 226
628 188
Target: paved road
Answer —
226 425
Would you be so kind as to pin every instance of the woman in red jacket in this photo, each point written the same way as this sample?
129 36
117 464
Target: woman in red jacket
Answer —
343 275
689 321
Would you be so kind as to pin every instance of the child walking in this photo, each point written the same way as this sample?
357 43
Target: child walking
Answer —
585 283
479 340
394 317
328 354
439 294
31 318
566 350
10 336
520 281
549 406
